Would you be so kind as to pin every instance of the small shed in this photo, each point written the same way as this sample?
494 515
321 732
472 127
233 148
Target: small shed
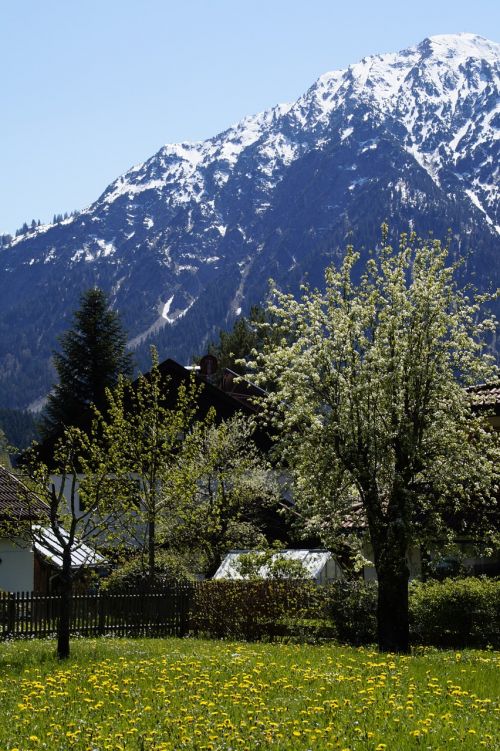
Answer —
318 564
48 559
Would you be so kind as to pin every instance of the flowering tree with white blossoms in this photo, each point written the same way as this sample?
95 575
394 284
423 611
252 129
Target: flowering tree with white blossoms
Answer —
370 406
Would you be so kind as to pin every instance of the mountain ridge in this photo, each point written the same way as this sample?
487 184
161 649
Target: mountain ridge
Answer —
186 240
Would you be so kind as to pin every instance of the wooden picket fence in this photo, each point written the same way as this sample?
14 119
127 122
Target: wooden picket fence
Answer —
129 613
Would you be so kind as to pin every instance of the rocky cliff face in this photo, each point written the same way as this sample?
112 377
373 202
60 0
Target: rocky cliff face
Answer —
187 240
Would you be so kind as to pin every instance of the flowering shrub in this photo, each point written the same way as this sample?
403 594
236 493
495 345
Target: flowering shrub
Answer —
133 574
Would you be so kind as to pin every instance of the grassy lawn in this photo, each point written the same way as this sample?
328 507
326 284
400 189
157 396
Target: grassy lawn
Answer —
188 694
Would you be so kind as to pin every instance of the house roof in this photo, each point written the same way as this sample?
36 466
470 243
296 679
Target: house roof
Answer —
17 501
486 396
48 546
227 401
235 397
312 560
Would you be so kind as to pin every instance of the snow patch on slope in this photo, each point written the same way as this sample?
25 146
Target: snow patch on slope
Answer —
166 309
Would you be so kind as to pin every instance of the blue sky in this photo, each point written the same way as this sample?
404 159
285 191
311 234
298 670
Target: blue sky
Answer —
90 88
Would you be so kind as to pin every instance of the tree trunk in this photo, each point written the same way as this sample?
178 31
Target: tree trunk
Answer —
64 623
151 551
389 538
392 609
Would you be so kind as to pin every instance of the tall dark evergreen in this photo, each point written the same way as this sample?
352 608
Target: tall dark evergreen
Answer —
92 356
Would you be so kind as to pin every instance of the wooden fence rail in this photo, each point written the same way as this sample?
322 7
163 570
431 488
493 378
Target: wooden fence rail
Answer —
159 613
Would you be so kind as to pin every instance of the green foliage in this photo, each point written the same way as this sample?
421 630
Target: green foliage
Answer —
456 613
80 496
237 344
166 694
91 359
229 484
460 613
352 606
264 609
148 444
134 573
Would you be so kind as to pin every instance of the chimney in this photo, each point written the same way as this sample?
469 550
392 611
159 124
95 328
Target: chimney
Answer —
208 368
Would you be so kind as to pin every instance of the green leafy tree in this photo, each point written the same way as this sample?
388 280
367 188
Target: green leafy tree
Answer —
76 501
133 574
147 445
227 487
269 564
92 356
372 411
19 427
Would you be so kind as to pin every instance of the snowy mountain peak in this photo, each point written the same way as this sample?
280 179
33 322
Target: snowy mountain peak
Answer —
383 77
189 237
463 46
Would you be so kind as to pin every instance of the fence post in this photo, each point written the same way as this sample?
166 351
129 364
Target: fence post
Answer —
11 614
184 598
100 614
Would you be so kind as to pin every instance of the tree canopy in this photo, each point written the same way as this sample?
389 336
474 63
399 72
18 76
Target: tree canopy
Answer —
192 486
146 447
75 502
93 355
230 492
376 426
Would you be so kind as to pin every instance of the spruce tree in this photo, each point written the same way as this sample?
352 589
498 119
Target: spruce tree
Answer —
92 357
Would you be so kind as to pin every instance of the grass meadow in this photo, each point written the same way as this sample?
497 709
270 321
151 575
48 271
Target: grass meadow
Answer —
169 694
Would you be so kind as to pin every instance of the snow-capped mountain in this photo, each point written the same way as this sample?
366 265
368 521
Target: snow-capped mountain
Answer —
187 240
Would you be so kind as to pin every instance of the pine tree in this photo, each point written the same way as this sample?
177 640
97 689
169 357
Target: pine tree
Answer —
92 357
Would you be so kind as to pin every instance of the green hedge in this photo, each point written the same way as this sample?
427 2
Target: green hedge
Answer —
454 613
352 607
255 609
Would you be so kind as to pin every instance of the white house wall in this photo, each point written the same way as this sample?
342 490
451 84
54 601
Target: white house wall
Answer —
413 560
57 481
17 566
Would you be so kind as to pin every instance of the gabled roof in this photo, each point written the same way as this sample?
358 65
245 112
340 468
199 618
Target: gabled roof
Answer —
48 546
225 403
17 501
486 396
